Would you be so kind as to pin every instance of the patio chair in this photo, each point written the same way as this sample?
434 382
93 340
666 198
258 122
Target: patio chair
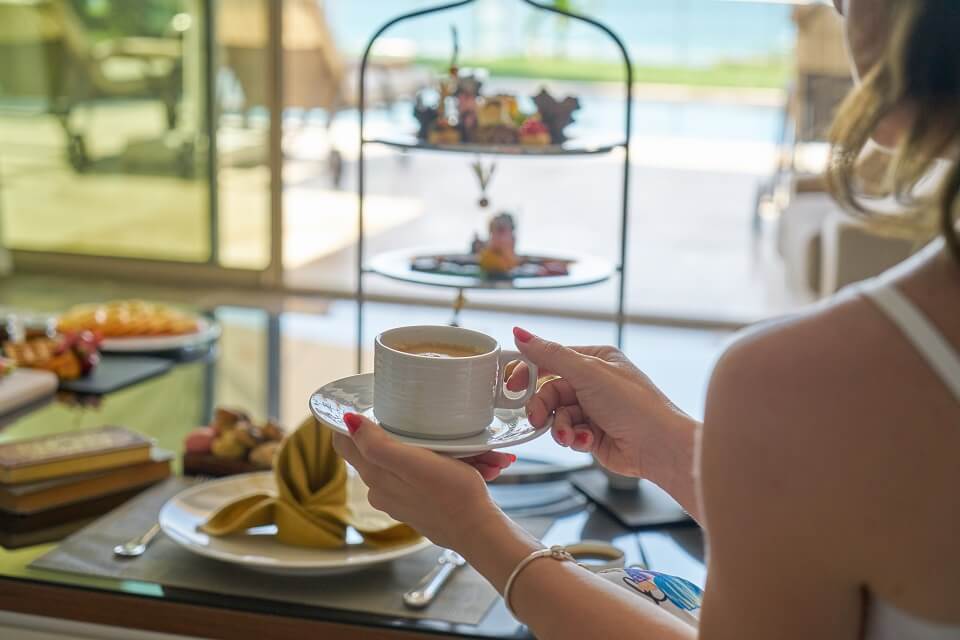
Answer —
73 69
316 75
822 80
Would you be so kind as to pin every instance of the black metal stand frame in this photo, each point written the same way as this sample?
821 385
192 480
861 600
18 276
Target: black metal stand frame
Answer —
361 168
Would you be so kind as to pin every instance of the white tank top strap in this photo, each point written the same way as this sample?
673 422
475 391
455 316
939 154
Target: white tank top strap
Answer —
925 337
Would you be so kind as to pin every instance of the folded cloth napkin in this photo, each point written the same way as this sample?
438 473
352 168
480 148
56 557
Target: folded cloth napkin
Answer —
314 503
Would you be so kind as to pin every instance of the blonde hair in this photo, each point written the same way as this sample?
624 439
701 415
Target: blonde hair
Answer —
920 70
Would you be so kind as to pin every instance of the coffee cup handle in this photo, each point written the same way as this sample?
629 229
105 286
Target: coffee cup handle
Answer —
509 399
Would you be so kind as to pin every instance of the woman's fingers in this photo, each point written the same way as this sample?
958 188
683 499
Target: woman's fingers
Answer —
551 396
381 450
564 419
583 438
488 472
519 376
550 356
492 458
370 473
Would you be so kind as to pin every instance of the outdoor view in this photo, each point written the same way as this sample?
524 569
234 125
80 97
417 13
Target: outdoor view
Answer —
712 80
707 116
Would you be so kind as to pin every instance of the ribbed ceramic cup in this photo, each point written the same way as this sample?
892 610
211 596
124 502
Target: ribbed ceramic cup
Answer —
440 398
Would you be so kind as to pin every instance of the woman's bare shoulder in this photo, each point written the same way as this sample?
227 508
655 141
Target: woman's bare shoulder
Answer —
785 403
804 355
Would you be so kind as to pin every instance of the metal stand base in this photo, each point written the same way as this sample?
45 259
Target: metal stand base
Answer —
649 506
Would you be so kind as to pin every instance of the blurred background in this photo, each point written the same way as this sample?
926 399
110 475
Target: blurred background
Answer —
216 141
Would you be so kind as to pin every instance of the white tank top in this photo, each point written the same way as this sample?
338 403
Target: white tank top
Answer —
884 621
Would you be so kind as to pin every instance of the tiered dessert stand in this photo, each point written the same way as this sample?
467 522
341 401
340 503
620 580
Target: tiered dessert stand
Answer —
398 265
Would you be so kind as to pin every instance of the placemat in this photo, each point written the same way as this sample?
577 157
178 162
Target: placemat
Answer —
465 600
117 372
648 506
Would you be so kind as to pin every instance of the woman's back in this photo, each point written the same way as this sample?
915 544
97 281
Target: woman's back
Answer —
871 422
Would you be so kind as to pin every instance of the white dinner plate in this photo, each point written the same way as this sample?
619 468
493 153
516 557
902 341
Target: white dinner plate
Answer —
258 549
354 394
206 332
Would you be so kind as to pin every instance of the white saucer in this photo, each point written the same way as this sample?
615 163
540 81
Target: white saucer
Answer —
354 394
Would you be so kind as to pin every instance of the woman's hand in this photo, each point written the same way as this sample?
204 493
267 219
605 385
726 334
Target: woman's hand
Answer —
604 405
443 498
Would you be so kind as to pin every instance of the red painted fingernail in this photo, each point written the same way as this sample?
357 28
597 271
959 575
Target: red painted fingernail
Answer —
353 422
513 458
522 334
581 438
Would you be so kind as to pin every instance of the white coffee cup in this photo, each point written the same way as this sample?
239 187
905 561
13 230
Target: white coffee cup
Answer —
430 397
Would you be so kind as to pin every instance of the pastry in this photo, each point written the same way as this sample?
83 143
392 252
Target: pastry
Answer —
426 116
443 133
555 115
200 440
231 443
491 113
68 356
497 262
534 133
510 108
125 318
228 445
498 134
263 454
245 434
272 431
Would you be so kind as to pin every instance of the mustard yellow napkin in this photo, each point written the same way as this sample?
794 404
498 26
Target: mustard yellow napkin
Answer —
312 507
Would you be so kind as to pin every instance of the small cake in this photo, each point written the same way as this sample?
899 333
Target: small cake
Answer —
491 113
497 134
228 445
200 440
231 443
443 133
263 454
534 133
510 107
497 262
498 256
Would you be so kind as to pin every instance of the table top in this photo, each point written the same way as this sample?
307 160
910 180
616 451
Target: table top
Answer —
268 363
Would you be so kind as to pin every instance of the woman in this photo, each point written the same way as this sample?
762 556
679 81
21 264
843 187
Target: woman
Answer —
827 468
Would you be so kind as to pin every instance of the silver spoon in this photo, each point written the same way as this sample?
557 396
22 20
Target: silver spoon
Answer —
424 593
136 547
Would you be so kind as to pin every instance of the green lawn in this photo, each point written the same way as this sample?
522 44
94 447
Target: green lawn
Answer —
766 74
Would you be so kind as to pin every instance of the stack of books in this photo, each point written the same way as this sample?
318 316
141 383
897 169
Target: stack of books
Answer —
53 485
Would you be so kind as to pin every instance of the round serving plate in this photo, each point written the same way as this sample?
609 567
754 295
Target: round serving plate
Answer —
398 265
258 549
207 332
575 147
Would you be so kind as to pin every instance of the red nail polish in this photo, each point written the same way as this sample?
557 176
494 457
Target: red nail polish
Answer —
513 458
353 422
581 438
522 334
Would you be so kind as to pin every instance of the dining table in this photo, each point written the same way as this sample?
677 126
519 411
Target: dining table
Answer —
268 361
